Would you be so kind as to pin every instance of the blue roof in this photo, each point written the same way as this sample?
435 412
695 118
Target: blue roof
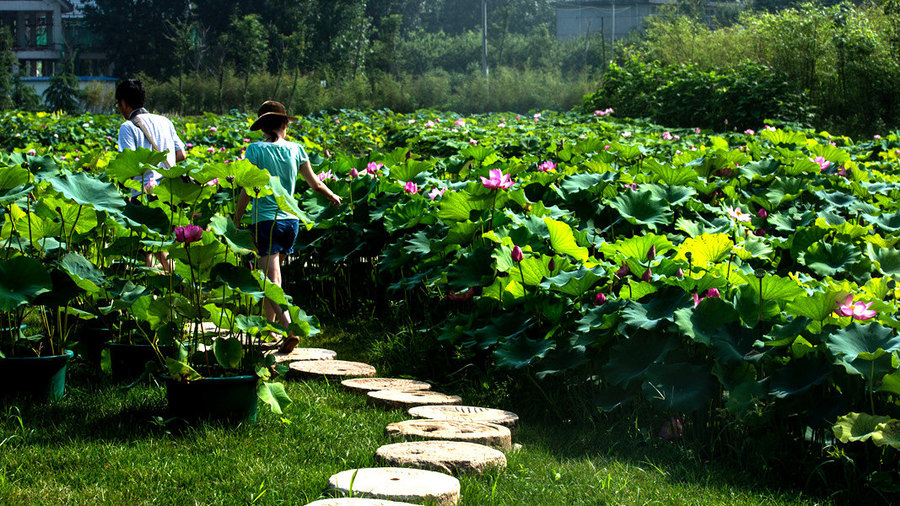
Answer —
80 78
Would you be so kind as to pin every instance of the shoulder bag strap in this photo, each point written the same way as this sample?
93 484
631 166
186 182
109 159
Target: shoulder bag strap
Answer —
140 124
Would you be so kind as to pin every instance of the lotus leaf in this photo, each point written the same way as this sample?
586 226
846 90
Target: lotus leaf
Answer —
274 395
228 352
798 376
563 240
866 342
575 283
239 241
705 250
679 387
854 427
828 259
643 208
21 280
89 191
660 308
631 358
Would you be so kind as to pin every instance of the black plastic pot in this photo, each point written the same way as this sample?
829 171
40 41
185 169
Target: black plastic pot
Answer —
38 378
231 398
128 361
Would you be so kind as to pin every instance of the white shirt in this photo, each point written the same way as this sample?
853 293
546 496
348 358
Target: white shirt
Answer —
163 132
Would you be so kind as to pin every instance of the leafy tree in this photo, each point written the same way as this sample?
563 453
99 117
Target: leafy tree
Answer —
23 96
184 36
63 93
248 47
7 60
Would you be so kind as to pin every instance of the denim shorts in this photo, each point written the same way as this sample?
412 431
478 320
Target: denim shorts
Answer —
274 237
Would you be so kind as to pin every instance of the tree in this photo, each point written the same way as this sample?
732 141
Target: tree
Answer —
185 38
248 47
7 60
23 96
63 93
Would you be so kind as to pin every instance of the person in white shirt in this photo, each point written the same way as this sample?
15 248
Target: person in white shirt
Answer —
130 98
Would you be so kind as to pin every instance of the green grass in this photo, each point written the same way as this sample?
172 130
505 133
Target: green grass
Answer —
106 445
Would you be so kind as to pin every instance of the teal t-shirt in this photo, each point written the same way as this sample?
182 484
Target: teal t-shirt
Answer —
283 160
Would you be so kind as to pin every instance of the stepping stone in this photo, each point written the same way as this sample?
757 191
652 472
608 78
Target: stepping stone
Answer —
364 385
488 434
398 484
304 354
330 369
452 457
468 413
391 399
357 501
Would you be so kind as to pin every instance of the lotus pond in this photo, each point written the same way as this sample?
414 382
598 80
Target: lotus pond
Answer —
722 279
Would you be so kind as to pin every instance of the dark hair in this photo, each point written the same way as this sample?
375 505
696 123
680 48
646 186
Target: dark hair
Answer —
269 125
132 92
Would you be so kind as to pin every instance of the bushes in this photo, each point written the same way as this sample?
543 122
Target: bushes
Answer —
846 58
686 96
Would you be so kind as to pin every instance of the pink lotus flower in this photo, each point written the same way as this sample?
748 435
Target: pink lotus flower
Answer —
697 299
697 130
713 293
876 137
210 150
109 138
429 124
823 164
354 172
436 192
632 186
473 142
150 185
501 125
460 123
31 152
762 213
213 129
327 154
667 136
842 172
517 254
626 134
189 145
606 148
323 176
246 140
188 234
411 187
599 299
537 115
547 166
679 273
739 215
373 167
498 180
624 270
212 182
749 131
857 310
671 429
411 121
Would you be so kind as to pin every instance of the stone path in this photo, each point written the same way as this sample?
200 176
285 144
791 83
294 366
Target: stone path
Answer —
446 438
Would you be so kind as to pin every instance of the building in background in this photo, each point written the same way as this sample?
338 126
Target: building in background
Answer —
47 32
614 19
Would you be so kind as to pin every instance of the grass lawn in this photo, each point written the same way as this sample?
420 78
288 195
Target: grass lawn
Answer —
106 445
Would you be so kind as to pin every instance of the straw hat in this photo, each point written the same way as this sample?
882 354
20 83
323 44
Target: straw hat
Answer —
269 109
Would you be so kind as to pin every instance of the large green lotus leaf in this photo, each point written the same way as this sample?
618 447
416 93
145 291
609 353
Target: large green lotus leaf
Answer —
637 247
706 322
21 280
228 352
643 208
237 278
419 243
180 371
575 283
804 238
507 326
744 397
773 287
759 169
462 232
83 218
87 276
699 285
571 355
89 191
146 218
737 344
201 256
274 395
309 324
507 289
887 222
35 227
245 174
785 189
458 206
631 358
563 240
156 312
13 177
887 259
408 170
407 215
586 182
887 433
532 269
519 351
828 259
176 192
636 290
680 387
890 383
470 270
660 308
674 175
673 195
866 342
239 241
705 250
133 162
817 306
798 376
844 202
753 247
854 427
601 317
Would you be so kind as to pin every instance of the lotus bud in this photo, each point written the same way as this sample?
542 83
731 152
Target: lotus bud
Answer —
679 273
327 154
759 232
230 179
551 266
623 271
599 299
713 293
517 254
652 253
762 213
647 274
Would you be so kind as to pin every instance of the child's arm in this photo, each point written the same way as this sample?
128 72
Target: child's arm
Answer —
243 200
318 186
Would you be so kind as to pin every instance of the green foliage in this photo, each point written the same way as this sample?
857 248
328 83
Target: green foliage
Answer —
63 93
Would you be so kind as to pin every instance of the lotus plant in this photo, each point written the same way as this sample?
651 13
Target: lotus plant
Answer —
856 310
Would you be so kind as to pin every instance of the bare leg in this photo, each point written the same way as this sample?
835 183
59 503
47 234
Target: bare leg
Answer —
271 266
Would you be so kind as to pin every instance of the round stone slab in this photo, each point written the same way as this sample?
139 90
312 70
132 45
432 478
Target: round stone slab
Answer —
304 354
451 457
331 369
398 484
357 501
488 434
391 399
364 385
468 413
